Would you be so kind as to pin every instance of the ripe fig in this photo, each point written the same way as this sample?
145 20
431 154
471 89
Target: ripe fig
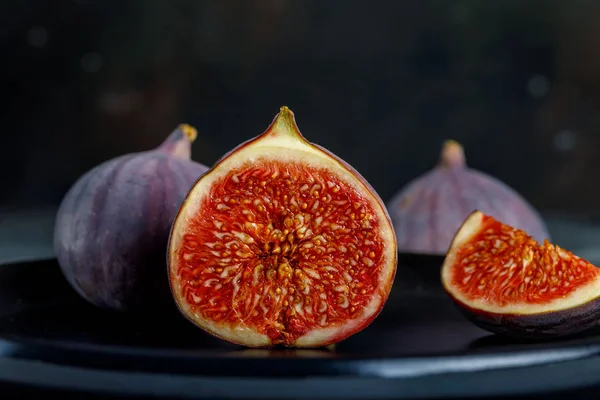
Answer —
427 212
282 243
112 226
507 283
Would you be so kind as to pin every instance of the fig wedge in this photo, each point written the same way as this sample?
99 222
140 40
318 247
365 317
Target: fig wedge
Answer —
507 283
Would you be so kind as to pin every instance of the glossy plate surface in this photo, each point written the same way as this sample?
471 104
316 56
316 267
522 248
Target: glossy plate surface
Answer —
419 346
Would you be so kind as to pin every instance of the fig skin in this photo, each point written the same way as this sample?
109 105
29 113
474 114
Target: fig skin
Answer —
428 211
548 324
542 326
284 118
112 226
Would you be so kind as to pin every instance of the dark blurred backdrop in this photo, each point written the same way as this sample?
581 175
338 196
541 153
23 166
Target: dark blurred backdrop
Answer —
380 83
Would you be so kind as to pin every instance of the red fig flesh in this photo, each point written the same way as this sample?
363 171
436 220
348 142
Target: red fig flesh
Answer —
507 283
282 242
428 211
112 226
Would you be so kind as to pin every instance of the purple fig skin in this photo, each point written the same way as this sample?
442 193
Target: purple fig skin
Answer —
428 211
548 325
112 226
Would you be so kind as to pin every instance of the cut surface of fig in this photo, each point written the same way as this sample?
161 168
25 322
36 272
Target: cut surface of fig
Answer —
281 242
508 283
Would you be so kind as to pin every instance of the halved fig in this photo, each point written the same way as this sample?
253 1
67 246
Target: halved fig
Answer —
507 283
282 243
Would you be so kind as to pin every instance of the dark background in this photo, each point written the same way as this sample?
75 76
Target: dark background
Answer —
380 83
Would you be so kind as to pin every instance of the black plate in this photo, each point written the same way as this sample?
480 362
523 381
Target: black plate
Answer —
420 346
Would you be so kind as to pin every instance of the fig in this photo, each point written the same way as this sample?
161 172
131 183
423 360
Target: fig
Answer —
282 243
507 283
427 212
112 226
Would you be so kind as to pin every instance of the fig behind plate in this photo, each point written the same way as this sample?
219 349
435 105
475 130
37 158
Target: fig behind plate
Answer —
429 210
112 226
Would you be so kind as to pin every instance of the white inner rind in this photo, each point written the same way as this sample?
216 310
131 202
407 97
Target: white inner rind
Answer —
282 146
470 228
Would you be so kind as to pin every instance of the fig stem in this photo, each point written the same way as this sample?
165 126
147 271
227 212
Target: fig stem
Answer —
453 154
284 124
178 143
286 116
189 131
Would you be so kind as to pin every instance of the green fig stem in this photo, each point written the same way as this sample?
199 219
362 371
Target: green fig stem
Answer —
286 116
284 124
178 143
453 155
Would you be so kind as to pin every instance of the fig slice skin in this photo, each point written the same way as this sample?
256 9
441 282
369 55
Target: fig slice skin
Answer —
282 243
507 283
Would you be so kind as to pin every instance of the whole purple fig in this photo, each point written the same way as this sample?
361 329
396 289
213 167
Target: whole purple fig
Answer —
428 211
112 227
